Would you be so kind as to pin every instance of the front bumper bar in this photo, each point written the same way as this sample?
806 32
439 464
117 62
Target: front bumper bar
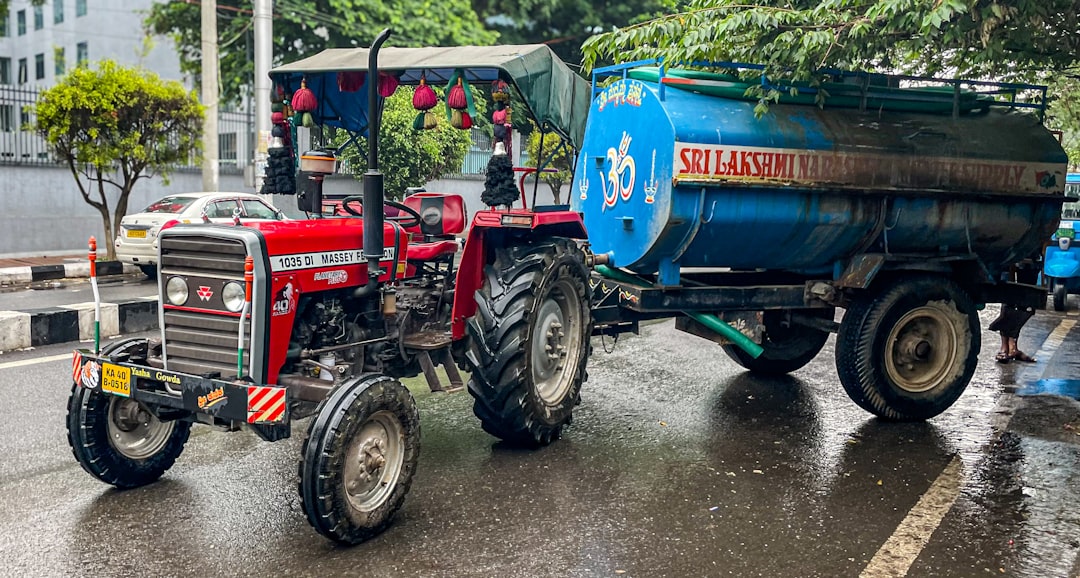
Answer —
226 400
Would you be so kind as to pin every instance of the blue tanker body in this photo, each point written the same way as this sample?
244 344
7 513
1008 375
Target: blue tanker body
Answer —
690 180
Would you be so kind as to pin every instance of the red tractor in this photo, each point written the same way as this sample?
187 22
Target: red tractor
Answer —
336 310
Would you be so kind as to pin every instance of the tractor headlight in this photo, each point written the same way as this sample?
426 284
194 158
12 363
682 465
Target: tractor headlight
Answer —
233 296
176 291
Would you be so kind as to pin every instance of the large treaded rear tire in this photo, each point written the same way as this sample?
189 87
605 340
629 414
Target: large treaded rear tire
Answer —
787 349
88 432
346 496
908 351
529 341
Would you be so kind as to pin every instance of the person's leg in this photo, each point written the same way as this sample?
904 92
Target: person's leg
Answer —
1003 353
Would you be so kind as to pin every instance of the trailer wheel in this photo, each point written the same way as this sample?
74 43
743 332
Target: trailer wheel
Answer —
359 457
118 440
909 351
529 341
787 348
1061 295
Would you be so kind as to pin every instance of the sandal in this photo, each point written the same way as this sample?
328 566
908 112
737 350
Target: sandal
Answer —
1021 356
1003 357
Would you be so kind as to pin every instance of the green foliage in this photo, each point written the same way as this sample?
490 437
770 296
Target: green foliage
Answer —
1064 115
562 160
5 5
115 125
304 27
409 157
563 24
1007 40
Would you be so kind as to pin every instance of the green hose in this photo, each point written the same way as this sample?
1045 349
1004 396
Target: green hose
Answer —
709 320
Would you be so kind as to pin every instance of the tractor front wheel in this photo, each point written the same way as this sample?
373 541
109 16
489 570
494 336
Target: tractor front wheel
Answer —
359 457
529 341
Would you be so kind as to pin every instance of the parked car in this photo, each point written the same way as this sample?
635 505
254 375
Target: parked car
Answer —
137 241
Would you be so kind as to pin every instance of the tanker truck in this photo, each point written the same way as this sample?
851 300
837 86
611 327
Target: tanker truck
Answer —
900 207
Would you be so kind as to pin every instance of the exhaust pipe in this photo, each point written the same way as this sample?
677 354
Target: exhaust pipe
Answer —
373 179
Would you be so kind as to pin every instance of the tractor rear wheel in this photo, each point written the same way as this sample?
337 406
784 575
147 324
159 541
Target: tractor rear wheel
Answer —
359 457
529 340
907 352
787 347
119 440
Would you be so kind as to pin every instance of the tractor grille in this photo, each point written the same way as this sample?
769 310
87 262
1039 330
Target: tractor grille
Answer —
202 342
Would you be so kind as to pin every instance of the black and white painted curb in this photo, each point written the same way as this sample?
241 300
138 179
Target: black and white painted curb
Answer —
34 327
34 273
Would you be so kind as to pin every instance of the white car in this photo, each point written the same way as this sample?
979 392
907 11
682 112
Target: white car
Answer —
137 241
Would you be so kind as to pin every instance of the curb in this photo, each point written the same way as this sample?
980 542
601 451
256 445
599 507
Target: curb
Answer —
23 275
51 325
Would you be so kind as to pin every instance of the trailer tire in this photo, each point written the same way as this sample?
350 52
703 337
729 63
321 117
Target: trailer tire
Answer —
787 349
1061 295
529 341
373 419
118 440
907 352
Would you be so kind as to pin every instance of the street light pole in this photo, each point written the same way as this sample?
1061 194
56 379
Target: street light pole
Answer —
264 31
210 95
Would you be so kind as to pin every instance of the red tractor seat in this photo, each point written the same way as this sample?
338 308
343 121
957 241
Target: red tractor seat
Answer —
442 216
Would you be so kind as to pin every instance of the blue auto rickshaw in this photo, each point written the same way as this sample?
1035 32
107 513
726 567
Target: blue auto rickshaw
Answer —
1061 265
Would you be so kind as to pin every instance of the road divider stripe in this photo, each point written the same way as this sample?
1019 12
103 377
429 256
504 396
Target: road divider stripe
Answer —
51 325
34 361
899 552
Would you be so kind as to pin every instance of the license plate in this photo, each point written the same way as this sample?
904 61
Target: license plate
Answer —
136 234
116 379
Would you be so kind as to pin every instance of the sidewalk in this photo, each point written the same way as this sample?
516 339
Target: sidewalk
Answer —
27 322
25 270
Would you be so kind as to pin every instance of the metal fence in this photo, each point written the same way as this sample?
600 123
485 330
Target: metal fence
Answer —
21 144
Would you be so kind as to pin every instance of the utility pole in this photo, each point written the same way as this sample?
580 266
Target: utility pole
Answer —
210 94
264 32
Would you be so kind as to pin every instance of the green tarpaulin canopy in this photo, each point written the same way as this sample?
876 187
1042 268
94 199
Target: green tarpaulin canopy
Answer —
555 95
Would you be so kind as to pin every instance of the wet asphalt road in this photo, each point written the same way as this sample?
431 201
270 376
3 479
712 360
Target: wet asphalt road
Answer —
677 464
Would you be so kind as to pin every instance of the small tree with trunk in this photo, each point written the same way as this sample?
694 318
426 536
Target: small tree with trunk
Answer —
558 157
115 125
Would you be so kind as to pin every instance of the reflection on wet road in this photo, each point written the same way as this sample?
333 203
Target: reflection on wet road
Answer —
678 464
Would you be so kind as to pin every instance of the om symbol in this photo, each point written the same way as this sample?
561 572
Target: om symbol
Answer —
619 180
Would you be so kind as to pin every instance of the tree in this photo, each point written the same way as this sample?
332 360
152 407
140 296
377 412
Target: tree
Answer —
114 126
304 27
409 157
561 160
1002 39
1064 115
5 5
563 24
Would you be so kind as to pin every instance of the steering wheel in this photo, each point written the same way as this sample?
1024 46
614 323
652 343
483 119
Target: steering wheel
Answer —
410 219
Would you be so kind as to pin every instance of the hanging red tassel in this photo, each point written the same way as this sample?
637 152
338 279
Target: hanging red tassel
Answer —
456 99
424 98
350 80
303 99
277 117
466 121
388 83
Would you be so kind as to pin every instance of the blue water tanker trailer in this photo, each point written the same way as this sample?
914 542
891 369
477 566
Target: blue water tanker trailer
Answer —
901 206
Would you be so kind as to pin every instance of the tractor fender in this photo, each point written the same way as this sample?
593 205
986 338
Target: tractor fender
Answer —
502 228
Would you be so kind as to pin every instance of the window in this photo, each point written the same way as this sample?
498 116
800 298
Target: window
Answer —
39 17
58 58
58 11
80 7
20 22
222 209
5 71
7 117
169 205
22 71
82 53
227 146
39 66
256 209
4 25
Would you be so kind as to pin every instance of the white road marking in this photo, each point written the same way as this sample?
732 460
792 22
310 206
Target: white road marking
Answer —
35 361
899 552
896 555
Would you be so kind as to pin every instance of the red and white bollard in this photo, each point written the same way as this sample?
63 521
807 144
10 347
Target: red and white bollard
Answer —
97 298
249 278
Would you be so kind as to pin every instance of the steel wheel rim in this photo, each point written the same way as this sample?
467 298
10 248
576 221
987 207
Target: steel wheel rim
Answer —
921 349
135 432
556 343
373 461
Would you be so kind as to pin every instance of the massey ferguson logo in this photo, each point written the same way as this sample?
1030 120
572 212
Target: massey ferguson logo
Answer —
332 277
205 293
284 300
